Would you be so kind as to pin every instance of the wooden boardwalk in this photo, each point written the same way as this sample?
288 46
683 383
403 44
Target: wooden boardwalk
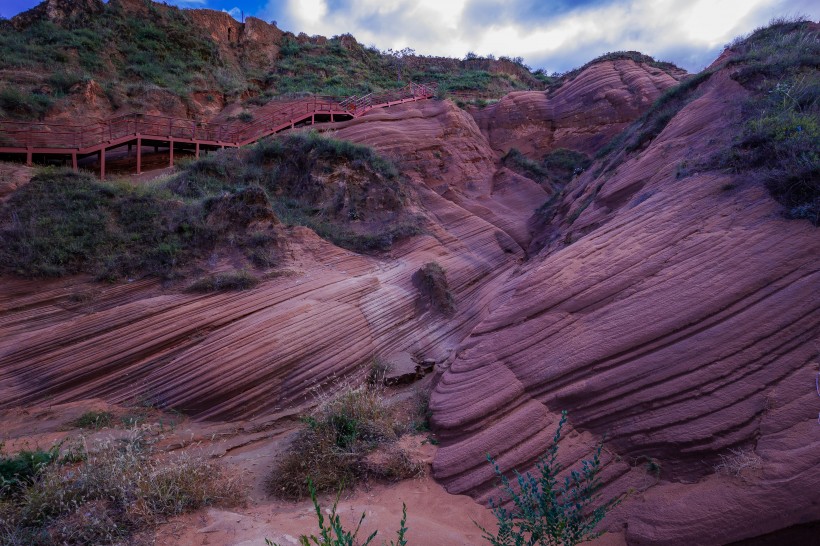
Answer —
74 142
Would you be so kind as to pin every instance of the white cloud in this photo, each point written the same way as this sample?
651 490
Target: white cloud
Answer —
234 12
690 33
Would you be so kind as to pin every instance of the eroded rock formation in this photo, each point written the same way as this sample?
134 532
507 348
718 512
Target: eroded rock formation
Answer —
582 115
681 327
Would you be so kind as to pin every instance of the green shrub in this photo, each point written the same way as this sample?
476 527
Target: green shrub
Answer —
62 82
554 171
336 447
548 511
20 470
523 165
562 164
19 104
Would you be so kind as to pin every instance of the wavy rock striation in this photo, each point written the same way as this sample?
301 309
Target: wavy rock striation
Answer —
681 326
242 354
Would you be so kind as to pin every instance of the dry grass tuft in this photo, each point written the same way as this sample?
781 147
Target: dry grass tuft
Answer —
348 437
738 461
105 494
431 280
220 282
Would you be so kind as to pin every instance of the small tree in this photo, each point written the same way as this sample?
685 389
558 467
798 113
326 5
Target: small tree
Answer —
399 59
547 511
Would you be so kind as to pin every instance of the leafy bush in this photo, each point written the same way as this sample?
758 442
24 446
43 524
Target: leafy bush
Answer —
20 470
547 511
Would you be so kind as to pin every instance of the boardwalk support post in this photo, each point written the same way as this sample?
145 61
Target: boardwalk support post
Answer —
102 162
139 154
29 157
197 150
170 151
74 161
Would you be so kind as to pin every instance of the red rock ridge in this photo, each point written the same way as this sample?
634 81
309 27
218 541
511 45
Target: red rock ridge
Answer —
581 115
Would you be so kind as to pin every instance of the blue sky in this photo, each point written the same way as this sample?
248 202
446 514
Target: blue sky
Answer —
556 35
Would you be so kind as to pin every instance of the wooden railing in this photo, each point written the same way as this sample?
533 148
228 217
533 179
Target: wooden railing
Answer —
48 137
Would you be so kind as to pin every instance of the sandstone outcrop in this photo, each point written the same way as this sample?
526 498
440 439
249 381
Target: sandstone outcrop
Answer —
582 115
680 327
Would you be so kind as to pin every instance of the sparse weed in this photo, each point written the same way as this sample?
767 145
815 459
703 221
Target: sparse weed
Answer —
221 282
333 532
738 461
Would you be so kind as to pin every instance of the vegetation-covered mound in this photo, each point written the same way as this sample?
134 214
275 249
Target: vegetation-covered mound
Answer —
778 133
64 223
127 54
341 66
345 192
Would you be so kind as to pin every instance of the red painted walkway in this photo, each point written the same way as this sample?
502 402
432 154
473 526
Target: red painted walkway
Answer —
77 141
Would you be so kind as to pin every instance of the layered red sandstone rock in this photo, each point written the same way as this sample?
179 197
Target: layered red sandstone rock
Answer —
681 325
582 115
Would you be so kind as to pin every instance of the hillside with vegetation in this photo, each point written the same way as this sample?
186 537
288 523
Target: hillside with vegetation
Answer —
98 59
137 55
